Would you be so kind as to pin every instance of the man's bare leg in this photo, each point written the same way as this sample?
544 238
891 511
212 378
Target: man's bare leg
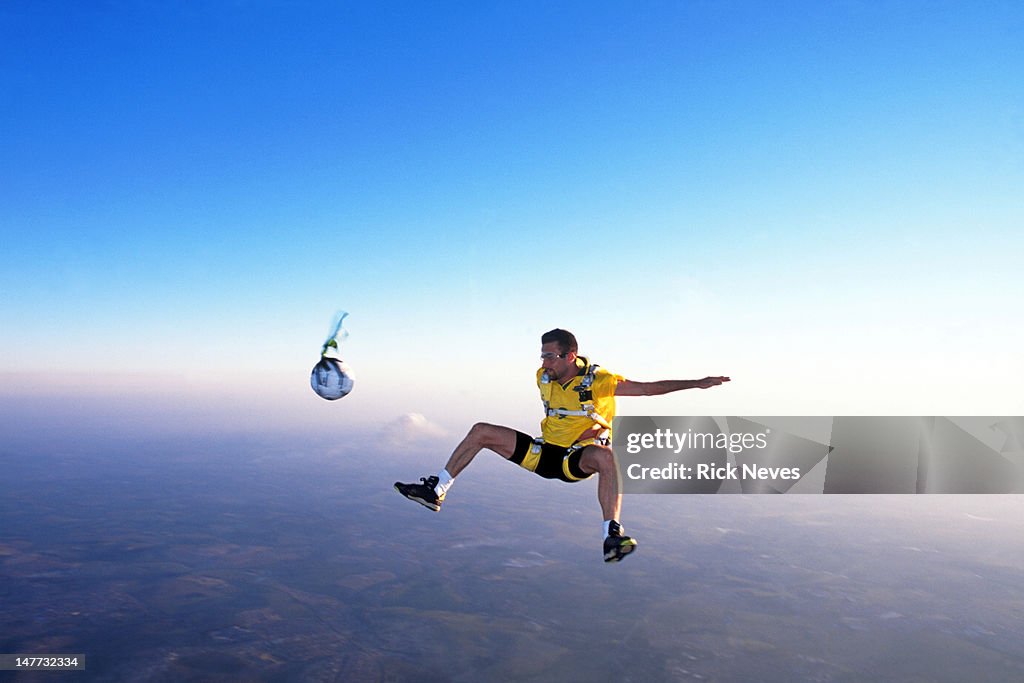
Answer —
601 460
431 492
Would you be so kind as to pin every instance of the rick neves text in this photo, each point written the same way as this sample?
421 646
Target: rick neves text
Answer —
711 471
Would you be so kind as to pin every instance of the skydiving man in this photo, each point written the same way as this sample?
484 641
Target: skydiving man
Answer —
579 404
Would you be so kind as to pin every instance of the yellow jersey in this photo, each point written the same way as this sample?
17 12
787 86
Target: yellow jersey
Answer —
583 408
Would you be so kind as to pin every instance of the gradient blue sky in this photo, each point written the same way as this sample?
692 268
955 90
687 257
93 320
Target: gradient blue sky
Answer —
822 200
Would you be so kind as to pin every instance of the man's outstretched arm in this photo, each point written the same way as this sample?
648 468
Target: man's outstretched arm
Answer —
667 386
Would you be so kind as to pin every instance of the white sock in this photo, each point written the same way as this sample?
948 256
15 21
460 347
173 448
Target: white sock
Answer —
607 524
444 482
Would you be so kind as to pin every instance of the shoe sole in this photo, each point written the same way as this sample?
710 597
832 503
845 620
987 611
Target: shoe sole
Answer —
619 553
430 506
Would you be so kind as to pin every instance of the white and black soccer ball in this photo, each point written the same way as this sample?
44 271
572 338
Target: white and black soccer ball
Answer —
331 379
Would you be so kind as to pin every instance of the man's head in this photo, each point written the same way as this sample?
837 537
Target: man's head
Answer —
564 338
558 354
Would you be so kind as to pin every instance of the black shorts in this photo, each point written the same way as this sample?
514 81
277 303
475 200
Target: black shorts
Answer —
553 462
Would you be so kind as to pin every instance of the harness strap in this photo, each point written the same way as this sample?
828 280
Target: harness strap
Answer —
532 457
600 440
588 411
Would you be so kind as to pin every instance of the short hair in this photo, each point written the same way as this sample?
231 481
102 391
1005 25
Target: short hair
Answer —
564 338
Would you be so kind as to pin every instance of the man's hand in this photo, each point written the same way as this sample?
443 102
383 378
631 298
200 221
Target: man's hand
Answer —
709 382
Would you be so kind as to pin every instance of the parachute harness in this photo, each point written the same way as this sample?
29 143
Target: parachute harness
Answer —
587 409
586 397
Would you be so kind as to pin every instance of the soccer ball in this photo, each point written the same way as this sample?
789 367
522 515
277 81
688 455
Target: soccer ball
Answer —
331 379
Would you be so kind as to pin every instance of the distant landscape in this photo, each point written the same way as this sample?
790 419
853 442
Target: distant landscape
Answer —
280 559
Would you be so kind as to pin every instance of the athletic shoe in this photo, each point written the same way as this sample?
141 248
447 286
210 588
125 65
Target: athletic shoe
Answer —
423 494
617 546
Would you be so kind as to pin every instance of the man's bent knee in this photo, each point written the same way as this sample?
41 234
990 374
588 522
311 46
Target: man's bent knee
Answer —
597 459
501 440
483 433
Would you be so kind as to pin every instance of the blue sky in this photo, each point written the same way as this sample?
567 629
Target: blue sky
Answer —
821 200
